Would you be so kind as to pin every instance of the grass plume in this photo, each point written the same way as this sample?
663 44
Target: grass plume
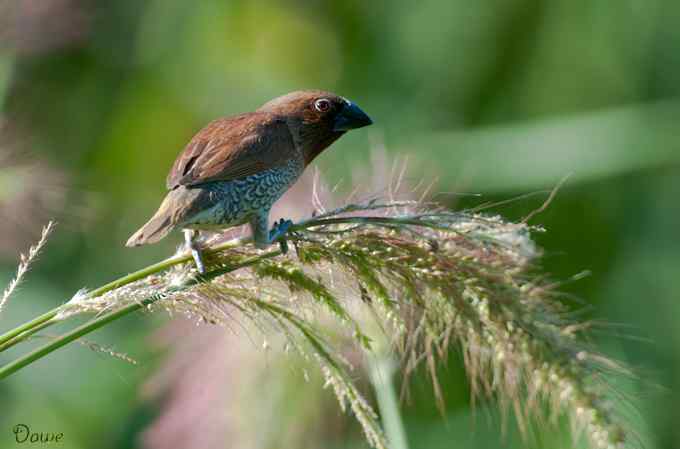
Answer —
25 263
433 279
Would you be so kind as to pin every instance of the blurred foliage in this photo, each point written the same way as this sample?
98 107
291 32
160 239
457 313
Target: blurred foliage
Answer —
502 97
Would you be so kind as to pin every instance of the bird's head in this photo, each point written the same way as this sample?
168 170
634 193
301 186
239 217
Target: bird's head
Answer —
317 118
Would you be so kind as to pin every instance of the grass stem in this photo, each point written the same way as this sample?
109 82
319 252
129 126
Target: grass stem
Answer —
381 371
106 318
22 332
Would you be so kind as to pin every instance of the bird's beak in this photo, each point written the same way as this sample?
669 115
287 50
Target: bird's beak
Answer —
351 117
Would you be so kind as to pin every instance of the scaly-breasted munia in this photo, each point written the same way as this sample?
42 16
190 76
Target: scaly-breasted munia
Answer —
234 169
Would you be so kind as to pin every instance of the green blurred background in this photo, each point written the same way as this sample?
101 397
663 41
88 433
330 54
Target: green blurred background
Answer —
497 97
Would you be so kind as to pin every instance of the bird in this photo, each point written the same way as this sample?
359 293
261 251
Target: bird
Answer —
235 168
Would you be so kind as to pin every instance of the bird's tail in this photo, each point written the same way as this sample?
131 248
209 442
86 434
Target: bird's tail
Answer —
155 229
163 221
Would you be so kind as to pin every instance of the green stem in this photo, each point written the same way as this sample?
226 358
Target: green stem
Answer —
23 336
106 318
22 332
381 369
11 337
68 337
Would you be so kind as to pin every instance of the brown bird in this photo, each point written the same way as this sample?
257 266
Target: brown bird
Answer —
234 169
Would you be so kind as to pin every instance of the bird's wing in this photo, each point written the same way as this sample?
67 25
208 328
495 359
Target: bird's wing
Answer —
232 148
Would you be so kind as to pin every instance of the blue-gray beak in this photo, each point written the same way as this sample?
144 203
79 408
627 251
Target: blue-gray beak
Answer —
351 117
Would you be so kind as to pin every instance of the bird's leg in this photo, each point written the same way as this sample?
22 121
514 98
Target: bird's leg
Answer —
263 237
259 225
191 237
278 232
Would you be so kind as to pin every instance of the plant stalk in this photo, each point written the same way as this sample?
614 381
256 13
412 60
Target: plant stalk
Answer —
68 337
20 333
106 318
381 369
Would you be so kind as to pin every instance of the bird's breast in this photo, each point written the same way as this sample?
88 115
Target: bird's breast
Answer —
233 202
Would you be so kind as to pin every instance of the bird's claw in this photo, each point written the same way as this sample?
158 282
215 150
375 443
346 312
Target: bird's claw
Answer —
198 259
279 229
278 233
191 239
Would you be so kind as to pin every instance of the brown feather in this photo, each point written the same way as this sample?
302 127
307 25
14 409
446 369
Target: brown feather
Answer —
232 148
177 206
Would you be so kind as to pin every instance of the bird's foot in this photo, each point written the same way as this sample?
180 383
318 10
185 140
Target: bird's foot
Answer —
278 233
191 238
196 254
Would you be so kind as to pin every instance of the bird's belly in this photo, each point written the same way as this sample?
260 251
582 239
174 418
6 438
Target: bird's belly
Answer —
233 203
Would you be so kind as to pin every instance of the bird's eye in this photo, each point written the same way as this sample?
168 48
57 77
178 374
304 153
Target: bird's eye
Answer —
322 105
